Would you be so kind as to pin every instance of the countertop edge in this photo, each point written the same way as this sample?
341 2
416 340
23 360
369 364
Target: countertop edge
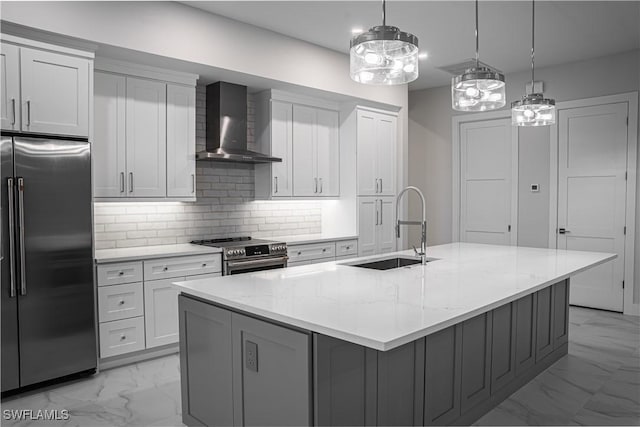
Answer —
200 250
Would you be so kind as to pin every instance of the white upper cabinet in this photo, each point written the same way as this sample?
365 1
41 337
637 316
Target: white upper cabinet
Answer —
376 225
376 153
10 87
307 139
44 91
144 137
146 128
109 145
181 141
55 93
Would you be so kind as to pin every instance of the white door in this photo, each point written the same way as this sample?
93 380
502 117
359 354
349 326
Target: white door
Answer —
161 312
386 229
146 138
368 221
9 87
386 134
328 152
592 159
281 147
109 146
181 141
55 93
486 182
367 153
305 180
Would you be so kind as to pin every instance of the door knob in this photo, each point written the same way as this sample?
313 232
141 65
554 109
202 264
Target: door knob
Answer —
563 231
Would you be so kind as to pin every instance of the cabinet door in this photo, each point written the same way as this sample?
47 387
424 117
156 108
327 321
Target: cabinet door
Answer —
109 145
9 87
181 141
146 138
476 361
503 346
544 321
161 312
442 376
271 374
368 219
386 239
386 134
366 154
525 333
328 152
56 108
281 146
305 179
205 364
560 313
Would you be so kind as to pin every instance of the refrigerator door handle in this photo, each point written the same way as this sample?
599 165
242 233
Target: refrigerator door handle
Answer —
12 238
23 278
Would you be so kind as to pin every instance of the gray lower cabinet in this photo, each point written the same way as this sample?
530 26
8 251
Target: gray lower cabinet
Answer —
205 364
475 378
525 333
237 370
442 376
503 346
560 314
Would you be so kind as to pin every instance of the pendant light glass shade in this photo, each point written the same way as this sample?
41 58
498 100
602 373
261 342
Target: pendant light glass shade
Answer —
384 55
533 109
478 88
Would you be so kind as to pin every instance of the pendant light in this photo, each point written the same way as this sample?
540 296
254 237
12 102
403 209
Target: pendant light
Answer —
478 88
384 55
533 109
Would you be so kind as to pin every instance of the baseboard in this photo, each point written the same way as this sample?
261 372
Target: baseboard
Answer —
138 356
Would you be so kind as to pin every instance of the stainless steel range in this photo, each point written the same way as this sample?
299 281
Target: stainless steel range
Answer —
244 254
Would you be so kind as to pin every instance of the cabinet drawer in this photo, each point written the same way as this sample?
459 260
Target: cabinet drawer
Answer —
120 302
121 336
166 268
312 251
116 274
347 247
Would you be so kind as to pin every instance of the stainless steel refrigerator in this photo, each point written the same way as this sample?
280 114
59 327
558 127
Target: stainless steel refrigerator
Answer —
48 303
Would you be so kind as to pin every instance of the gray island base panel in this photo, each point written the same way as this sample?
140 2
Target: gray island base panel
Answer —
239 369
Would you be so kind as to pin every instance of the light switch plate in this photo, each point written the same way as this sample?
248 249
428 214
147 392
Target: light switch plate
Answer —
251 355
535 188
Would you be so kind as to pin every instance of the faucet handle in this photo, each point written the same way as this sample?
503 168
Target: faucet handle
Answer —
416 251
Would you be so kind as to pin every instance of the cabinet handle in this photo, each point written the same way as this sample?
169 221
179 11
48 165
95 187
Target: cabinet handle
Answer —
324 249
121 302
193 183
204 264
123 337
165 268
275 178
299 253
130 182
29 113
13 109
316 185
121 273
122 182
377 214
381 210
320 185
381 186
348 247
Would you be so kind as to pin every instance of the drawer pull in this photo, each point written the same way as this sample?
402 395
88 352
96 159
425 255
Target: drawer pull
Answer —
121 273
121 302
123 337
324 249
204 264
299 253
348 247
165 268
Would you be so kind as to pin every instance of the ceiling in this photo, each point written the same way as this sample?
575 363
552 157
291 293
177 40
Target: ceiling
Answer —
566 31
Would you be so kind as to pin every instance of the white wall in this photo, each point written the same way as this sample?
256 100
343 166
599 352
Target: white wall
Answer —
430 156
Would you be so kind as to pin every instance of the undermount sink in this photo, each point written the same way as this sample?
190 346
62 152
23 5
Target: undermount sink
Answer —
389 263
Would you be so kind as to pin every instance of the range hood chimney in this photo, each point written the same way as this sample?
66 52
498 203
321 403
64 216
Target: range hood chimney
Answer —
227 126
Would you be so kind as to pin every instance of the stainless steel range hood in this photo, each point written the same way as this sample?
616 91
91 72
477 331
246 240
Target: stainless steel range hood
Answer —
227 126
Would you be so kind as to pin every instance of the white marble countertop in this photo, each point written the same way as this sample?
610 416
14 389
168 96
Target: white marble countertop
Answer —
150 252
312 238
386 309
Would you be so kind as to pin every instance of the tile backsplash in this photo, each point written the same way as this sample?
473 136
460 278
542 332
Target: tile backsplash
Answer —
225 205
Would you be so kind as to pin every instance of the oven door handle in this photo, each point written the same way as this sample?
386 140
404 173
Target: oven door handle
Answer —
265 262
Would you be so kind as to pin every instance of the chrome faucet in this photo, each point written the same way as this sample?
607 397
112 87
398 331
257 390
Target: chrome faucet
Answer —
422 224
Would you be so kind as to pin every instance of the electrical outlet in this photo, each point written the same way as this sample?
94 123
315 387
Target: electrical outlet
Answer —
251 355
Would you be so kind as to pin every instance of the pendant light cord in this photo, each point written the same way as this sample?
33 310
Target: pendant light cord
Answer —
477 39
384 13
533 32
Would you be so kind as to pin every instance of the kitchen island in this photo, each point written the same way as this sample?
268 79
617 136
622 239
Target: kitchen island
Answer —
336 344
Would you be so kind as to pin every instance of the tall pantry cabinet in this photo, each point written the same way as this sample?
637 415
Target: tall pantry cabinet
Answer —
376 144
